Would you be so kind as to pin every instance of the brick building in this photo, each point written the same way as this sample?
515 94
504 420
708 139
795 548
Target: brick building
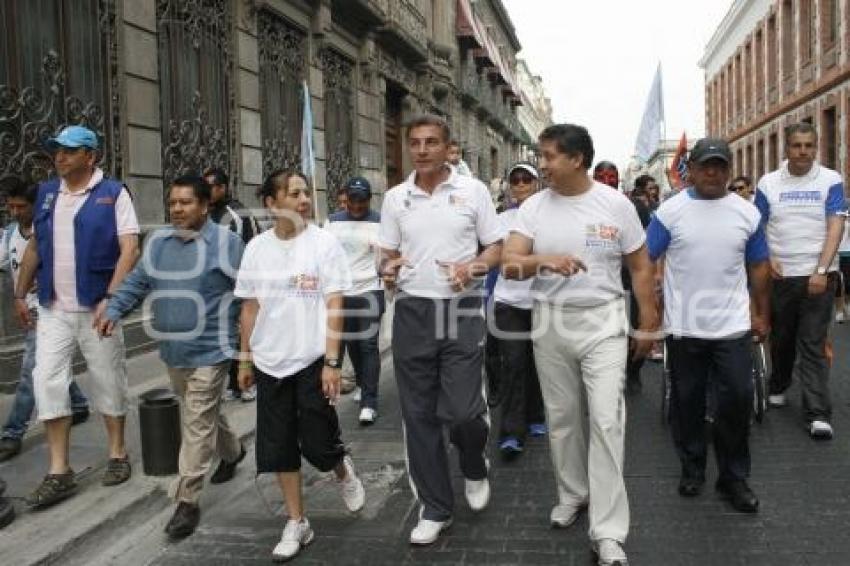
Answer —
774 62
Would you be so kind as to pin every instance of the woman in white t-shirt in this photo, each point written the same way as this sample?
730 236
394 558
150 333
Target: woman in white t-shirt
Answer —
291 281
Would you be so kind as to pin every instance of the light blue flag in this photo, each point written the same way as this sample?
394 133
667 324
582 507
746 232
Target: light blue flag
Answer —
308 152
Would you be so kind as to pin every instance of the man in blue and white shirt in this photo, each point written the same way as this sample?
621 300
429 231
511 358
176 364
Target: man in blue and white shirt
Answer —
803 207
707 318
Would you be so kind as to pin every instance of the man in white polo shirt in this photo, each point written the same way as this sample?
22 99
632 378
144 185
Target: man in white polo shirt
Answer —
574 238
431 228
803 206
707 318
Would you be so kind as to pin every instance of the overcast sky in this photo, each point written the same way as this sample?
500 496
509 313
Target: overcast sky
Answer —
598 58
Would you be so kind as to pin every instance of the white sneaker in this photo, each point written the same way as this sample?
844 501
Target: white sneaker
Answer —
229 395
563 515
249 394
820 430
356 395
368 415
777 400
427 531
609 552
840 317
477 493
353 493
296 534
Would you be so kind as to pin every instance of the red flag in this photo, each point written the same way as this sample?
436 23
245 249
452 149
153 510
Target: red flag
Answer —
678 172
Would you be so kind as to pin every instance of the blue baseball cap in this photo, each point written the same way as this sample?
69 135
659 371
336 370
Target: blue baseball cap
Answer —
358 188
73 137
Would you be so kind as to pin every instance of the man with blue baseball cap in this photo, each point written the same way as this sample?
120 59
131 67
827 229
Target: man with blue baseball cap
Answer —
85 241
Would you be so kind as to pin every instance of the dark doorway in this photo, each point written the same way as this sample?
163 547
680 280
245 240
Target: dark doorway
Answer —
394 135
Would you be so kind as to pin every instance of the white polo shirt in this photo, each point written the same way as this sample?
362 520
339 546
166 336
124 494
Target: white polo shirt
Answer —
598 226
795 210
510 291
446 226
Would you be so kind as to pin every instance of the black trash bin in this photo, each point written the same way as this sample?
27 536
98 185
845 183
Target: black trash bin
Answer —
159 420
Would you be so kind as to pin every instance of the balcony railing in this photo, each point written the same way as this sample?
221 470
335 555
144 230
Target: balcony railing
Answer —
406 23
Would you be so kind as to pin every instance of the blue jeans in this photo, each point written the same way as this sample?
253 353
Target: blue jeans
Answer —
362 326
16 424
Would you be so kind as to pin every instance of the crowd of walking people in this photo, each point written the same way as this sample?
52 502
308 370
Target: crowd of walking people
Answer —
584 282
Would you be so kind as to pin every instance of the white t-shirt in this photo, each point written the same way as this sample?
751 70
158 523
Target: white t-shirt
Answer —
447 225
707 245
11 254
359 239
510 291
290 279
795 210
599 227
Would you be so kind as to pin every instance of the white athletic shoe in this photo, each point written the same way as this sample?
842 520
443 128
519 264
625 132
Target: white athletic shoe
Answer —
563 515
777 400
356 395
477 493
609 552
840 317
427 531
353 493
368 415
296 534
820 430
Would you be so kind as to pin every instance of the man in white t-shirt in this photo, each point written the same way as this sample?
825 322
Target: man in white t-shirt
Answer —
574 238
85 241
803 207
707 318
432 226
291 281
509 329
455 159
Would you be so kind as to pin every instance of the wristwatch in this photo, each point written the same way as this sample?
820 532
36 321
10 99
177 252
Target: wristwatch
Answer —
333 363
820 270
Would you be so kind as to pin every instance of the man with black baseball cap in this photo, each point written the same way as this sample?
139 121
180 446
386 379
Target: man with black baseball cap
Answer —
357 230
707 318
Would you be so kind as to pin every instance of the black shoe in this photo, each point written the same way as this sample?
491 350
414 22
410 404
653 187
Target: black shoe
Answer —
739 495
9 448
690 487
79 417
7 512
226 470
53 489
184 521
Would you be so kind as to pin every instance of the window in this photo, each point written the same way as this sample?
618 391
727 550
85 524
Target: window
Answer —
773 152
772 50
730 109
807 40
739 161
759 64
787 38
195 62
759 159
749 165
57 65
748 76
739 89
283 57
829 139
339 121
829 23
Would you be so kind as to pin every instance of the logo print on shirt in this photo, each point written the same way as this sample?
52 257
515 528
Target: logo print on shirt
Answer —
304 282
601 236
800 197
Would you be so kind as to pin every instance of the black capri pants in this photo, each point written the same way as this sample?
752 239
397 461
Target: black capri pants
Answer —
293 419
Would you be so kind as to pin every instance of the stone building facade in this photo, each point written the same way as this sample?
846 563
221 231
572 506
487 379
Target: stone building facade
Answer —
179 85
535 113
774 62
175 86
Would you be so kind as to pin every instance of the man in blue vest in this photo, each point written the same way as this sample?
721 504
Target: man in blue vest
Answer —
85 242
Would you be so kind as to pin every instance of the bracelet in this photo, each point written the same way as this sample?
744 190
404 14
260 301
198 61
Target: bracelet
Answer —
246 364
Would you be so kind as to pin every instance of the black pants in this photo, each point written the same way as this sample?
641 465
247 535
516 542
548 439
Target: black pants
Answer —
437 354
362 325
799 330
295 418
727 366
522 401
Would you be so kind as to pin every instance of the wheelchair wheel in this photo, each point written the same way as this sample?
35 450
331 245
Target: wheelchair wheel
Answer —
666 387
759 382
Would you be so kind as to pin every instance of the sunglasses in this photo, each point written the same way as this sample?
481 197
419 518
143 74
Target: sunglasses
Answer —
737 188
517 179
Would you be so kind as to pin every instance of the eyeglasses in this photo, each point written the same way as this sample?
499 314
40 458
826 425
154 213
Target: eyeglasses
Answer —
517 179
737 188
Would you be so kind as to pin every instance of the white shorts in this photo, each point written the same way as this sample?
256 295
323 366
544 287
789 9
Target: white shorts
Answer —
57 332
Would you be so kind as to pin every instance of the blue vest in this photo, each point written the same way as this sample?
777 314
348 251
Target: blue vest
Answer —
96 246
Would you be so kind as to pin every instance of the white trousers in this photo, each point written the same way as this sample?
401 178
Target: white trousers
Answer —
581 360
57 333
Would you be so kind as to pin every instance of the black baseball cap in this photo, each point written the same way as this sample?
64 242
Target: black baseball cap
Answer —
358 188
711 148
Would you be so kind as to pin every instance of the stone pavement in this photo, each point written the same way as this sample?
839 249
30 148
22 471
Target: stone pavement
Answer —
802 486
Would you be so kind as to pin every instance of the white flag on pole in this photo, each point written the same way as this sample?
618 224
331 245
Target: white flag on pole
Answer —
649 134
308 152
